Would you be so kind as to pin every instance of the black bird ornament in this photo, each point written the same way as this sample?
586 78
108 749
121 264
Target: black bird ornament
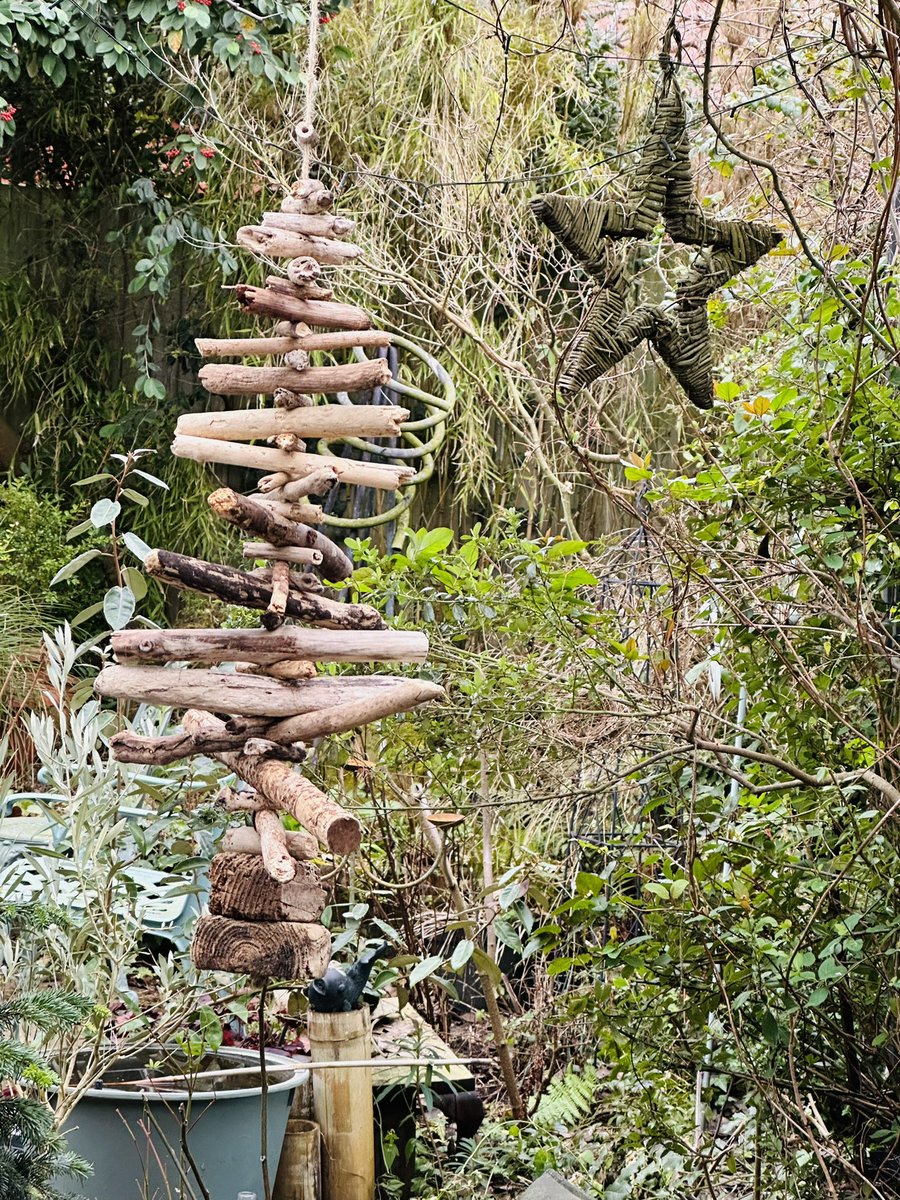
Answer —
340 991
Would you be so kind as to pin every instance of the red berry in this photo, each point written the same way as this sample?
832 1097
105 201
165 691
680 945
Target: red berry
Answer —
324 20
208 152
255 47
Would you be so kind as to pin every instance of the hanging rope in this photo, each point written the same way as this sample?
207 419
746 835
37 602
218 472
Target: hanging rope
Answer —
305 132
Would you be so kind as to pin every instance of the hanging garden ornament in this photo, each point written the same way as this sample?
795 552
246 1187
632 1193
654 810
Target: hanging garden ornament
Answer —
661 186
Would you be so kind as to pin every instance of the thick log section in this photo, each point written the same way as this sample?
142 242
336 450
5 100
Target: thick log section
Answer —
242 695
257 518
327 314
264 346
288 554
265 458
241 887
313 224
270 950
260 646
227 379
279 787
244 839
240 587
404 695
318 420
269 242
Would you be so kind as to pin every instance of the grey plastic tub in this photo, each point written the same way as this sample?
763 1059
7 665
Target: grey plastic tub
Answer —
134 1139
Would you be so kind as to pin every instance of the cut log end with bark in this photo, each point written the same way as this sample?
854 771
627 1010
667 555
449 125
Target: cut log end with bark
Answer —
265 950
241 887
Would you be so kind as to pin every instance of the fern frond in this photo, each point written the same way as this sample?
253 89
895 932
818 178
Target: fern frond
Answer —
569 1098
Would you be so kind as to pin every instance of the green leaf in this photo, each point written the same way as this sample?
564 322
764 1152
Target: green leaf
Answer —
136 545
137 497
104 512
657 889
87 613
135 581
461 954
151 479
425 968
118 606
73 565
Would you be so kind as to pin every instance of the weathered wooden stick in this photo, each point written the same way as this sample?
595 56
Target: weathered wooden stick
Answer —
289 669
243 695
159 751
265 950
401 697
286 489
264 458
276 859
274 615
259 646
227 379
309 196
278 786
305 290
269 242
287 554
244 887
257 518
244 839
316 225
240 587
318 420
327 314
261 347
307 514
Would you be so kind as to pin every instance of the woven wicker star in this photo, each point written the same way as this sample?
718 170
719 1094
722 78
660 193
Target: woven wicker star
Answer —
661 186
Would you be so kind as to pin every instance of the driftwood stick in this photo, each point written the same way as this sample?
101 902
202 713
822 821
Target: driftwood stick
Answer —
327 314
399 698
286 554
308 514
273 617
317 420
256 518
313 224
279 787
240 587
244 839
265 458
288 670
243 695
160 751
259 646
269 242
261 347
284 488
308 196
228 379
276 857
265 748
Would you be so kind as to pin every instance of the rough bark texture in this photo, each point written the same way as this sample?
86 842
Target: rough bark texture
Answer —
265 950
256 518
228 379
240 587
242 888
259 646
326 314
279 787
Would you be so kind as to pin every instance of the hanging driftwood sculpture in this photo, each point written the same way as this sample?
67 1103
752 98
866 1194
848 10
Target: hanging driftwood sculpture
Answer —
660 187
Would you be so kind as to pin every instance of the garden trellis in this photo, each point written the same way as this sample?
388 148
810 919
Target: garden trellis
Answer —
258 717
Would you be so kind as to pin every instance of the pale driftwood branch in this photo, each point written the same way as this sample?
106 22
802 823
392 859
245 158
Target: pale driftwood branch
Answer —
263 458
279 787
286 489
313 224
261 347
265 950
401 697
243 695
317 420
287 554
269 242
247 888
160 751
327 314
308 196
228 379
259 519
307 514
260 646
274 615
241 587
289 669
244 839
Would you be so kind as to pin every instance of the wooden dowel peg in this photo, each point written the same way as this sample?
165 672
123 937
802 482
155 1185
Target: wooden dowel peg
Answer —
285 554
228 379
274 615
260 646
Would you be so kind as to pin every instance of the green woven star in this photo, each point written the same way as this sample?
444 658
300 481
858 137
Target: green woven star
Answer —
662 185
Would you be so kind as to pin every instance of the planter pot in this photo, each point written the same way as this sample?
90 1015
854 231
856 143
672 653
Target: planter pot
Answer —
142 1143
